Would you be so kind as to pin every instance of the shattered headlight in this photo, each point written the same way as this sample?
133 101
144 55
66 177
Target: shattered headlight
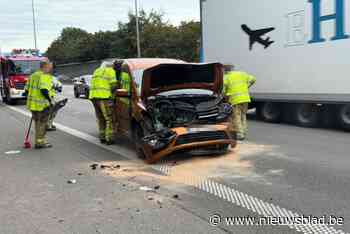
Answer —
225 112
160 140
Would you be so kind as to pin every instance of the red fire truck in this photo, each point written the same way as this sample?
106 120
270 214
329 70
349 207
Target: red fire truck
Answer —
14 73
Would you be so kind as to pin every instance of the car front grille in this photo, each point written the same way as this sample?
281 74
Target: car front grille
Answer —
20 85
201 137
210 113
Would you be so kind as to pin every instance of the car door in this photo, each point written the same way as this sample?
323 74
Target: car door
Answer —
123 106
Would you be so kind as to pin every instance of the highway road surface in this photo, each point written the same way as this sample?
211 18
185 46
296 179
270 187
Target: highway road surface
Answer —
284 179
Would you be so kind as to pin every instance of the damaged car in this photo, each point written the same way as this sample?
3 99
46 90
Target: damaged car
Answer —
172 106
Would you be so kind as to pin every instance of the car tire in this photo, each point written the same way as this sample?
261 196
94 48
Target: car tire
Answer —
306 115
270 112
76 93
343 117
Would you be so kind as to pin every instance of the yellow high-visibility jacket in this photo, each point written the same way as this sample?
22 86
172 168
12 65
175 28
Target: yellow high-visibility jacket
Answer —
36 100
102 83
126 84
236 87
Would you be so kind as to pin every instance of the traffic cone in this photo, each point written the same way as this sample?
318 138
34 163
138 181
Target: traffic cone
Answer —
27 144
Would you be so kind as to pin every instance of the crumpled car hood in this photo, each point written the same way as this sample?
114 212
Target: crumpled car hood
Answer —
168 77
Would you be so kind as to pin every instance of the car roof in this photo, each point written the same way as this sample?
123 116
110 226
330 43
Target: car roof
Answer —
145 63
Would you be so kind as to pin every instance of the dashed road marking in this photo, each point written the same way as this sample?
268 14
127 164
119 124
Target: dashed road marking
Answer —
222 191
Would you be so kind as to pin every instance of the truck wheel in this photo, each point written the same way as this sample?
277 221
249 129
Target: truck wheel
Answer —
343 117
76 93
306 115
270 112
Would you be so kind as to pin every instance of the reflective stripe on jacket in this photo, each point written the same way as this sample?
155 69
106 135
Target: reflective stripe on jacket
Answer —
236 87
36 100
125 84
102 83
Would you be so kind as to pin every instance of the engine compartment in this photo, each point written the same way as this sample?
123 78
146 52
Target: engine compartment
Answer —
181 111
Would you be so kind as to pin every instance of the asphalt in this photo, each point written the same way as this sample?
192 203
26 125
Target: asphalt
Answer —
303 171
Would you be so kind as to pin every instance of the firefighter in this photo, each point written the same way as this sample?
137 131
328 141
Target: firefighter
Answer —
103 84
53 92
39 102
117 66
125 82
236 89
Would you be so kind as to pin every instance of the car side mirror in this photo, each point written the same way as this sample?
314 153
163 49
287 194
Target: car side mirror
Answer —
122 93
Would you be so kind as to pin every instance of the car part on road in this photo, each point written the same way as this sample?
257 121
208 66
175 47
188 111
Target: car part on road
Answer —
11 152
72 181
94 166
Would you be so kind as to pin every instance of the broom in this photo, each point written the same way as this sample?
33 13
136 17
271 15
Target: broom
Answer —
27 144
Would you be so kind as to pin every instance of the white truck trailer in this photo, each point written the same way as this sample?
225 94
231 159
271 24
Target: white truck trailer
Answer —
299 50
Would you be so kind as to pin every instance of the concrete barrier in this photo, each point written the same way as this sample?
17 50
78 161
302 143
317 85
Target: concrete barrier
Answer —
69 71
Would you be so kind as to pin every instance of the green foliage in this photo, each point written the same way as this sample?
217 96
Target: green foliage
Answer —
159 38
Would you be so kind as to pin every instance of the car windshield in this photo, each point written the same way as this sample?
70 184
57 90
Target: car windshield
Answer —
25 67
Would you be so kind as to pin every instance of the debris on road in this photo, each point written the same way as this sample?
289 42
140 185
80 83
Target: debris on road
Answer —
160 203
146 189
176 196
13 152
80 174
127 170
94 166
105 166
72 181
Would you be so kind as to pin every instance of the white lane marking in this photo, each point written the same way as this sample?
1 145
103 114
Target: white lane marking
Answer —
222 191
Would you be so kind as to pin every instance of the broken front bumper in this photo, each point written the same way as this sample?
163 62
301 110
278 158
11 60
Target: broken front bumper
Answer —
162 144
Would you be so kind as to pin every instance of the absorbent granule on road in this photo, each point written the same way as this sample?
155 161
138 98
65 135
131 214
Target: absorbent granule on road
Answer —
237 162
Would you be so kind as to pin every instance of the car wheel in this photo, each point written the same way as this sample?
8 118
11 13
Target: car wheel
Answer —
306 115
76 93
270 112
343 117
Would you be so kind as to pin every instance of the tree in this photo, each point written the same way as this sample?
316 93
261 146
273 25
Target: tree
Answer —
159 39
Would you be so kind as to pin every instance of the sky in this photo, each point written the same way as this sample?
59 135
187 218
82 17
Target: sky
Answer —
16 29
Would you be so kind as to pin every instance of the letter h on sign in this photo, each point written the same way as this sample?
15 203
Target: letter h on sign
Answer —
338 16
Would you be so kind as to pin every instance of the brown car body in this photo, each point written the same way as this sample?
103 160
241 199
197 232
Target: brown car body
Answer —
139 109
